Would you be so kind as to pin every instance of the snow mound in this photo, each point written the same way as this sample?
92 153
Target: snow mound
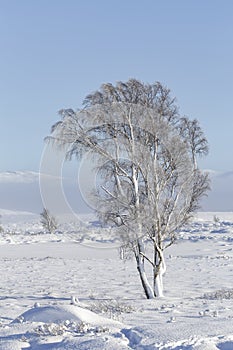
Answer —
59 314
209 343
13 345
63 327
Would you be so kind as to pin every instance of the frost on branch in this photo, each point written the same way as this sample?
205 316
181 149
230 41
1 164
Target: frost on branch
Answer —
148 183
48 221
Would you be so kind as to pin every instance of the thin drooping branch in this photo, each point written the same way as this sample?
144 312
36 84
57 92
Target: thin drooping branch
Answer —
148 181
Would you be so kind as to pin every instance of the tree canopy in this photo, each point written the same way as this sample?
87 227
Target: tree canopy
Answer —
148 183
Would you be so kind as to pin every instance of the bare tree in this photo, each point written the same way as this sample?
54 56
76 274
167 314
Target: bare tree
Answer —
148 182
1 228
48 221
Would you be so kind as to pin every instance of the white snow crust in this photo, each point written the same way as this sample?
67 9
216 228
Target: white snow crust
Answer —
70 290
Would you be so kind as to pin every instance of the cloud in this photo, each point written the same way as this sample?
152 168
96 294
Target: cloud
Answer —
24 177
19 177
20 190
228 174
220 198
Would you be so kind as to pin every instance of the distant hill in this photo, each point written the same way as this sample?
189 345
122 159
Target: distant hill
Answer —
220 198
20 191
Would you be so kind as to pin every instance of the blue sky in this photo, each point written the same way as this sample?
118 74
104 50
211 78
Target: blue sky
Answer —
53 53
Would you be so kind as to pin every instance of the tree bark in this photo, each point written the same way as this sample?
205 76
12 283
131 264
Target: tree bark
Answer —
145 284
159 271
141 270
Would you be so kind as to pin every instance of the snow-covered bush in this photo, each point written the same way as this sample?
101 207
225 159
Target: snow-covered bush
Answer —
1 228
54 329
112 308
48 221
216 220
219 294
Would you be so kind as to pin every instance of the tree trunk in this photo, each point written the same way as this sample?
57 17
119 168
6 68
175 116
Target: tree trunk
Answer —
159 271
145 284
158 284
141 270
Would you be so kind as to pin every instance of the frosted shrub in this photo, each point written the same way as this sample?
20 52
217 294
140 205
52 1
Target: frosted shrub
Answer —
48 221
1 228
54 329
50 329
83 328
219 294
112 308
216 220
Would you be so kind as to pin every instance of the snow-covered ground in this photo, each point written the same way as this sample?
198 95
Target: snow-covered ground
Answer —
70 291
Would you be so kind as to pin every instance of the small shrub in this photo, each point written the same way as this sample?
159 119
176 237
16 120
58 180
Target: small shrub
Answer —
1 228
216 220
112 308
54 329
48 329
48 221
219 294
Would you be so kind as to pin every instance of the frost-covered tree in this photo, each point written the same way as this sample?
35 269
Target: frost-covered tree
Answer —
1 228
148 183
48 221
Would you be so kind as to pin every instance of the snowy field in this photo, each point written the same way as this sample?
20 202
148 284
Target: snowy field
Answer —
70 290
